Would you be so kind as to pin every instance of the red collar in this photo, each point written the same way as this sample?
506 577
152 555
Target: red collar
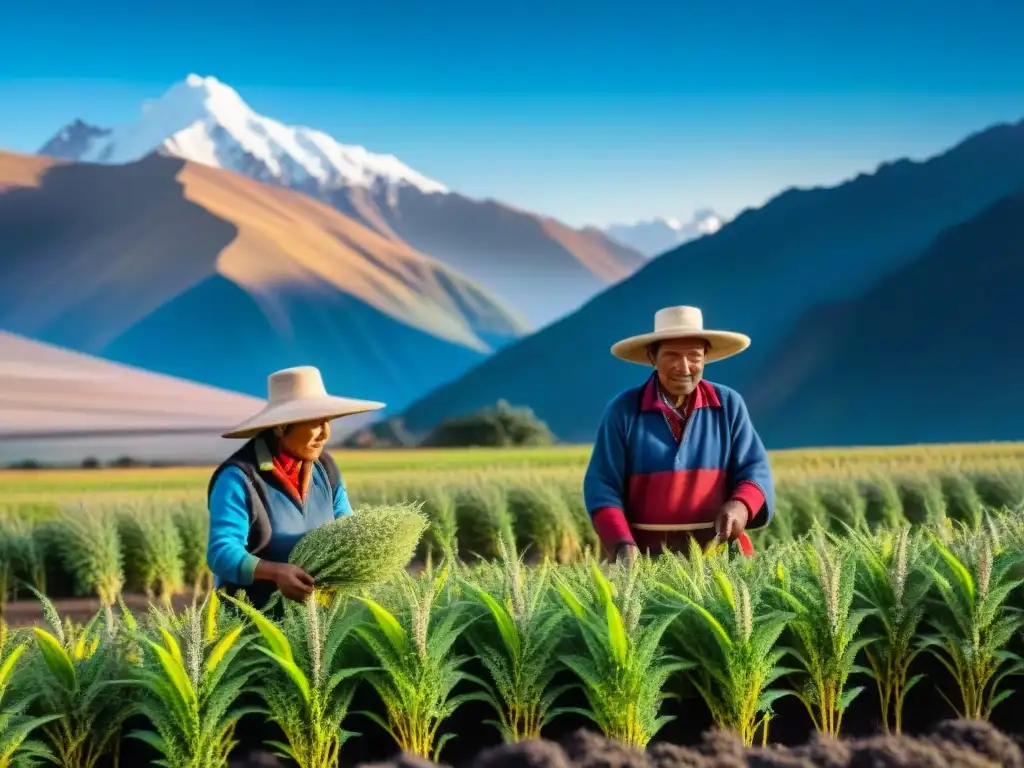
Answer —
704 396
293 473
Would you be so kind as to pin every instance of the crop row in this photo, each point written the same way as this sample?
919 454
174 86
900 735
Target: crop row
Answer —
157 545
822 621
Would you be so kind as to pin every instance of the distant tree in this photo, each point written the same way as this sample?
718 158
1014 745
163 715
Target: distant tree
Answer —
389 433
26 464
90 462
500 426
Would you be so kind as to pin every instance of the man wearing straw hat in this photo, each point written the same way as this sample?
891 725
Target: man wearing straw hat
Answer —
677 458
279 485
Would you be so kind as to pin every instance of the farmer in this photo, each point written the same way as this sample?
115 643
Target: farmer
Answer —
677 457
277 487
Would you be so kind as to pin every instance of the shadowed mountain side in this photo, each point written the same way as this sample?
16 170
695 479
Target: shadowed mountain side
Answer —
540 266
90 251
757 275
360 351
929 354
149 262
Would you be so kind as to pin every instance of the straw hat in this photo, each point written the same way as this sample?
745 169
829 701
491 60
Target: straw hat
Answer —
296 395
680 323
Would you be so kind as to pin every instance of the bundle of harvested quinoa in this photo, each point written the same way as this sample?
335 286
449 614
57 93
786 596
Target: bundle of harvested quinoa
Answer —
361 549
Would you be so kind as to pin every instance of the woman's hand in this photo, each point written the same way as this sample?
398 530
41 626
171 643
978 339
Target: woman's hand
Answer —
293 582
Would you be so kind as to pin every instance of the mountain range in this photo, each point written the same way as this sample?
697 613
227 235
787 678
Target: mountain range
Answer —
655 236
210 244
538 266
207 275
859 300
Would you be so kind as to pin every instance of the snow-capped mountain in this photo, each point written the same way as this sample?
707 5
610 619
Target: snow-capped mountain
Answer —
203 120
655 236
540 267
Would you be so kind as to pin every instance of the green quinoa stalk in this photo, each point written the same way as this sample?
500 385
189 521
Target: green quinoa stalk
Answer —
308 690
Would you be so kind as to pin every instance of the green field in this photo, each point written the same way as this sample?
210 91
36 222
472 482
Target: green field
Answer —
153 521
361 467
113 533
933 608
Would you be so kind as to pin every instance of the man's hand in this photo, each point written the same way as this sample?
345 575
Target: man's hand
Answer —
626 554
293 582
731 520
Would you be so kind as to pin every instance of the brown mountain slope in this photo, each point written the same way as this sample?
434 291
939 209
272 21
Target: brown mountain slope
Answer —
540 266
208 275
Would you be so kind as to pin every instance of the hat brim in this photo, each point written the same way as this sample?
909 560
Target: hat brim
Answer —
723 344
310 409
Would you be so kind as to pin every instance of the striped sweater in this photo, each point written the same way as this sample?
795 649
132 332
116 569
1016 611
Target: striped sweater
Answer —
650 467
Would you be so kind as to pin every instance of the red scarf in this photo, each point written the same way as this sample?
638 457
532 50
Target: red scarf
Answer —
294 474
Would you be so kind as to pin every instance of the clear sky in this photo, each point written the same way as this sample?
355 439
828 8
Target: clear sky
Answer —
592 112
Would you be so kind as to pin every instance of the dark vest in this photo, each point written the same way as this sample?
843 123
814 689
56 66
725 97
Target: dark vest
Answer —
276 521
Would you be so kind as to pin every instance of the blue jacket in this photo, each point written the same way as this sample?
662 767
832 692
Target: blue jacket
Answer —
239 533
647 468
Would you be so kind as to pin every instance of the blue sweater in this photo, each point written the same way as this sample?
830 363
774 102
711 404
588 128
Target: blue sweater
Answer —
228 545
642 472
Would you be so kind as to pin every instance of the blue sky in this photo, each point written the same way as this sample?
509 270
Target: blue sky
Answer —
591 112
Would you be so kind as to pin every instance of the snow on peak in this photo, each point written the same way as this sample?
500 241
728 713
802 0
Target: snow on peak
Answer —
654 236
206 121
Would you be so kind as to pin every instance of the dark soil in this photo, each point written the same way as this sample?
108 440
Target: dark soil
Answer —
951 744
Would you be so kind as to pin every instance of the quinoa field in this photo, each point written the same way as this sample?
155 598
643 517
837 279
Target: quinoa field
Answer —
883 610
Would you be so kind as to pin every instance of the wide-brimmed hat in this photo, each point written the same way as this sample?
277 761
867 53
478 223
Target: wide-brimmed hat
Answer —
680 323
298 394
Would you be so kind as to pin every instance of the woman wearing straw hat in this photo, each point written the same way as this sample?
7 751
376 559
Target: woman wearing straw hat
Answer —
677 459
277 487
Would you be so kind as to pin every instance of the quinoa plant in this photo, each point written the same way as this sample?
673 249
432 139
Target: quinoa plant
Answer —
963 504
802 505
16 748
308 691
882 505
523 664
542 522
893 581
921 498
622 667
439 507
482 518
842 503
819 590
77 663
971 620
190 677
193 523
86 541
589 543
729 636
22 556
7 555
1003 487
362 549
152 551
418 669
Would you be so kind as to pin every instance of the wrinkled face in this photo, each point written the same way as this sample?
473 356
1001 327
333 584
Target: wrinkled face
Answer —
306 440
680 364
